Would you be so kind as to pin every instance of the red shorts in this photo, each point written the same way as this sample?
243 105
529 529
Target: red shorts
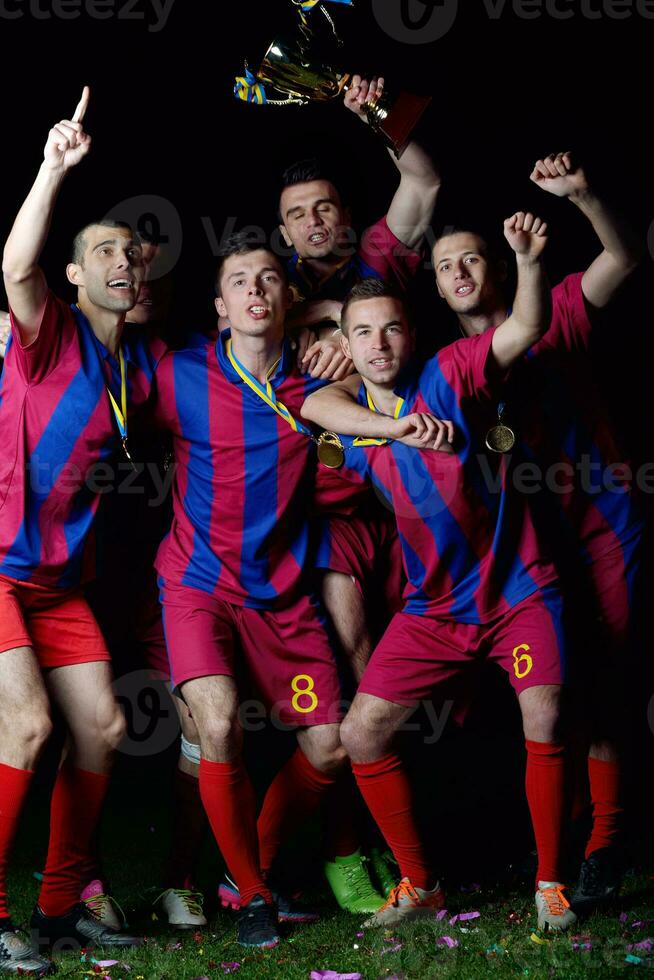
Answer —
56 623
418 655
613 579
286 652
368 549
149 630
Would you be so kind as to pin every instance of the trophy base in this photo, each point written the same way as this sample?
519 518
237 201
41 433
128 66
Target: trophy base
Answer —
395 119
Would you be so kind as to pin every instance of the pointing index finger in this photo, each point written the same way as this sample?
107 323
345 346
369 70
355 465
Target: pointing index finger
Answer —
82 105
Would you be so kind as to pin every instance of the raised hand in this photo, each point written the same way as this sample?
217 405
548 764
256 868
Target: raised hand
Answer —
67 142
560 175
526 234
361 93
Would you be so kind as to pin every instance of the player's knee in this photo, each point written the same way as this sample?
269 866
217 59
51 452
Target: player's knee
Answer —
330 758
541 714
220 735
360 739
113 728
33 730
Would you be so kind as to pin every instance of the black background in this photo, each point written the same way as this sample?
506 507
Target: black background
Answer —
506 90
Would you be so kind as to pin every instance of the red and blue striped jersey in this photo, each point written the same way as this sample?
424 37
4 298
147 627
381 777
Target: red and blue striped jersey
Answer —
381 255
60 440
588 495
243 482
469 546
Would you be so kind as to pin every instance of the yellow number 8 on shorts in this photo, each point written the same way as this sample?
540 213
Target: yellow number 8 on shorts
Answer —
523 663
305 691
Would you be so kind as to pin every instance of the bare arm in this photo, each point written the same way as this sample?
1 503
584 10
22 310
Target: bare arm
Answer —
560 175
532 307
413 205
335 408
24 279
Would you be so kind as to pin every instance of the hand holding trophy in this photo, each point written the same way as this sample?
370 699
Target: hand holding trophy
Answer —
295 71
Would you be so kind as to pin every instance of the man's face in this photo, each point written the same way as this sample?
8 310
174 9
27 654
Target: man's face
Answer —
111 270
464 277
254 294
155 293
379 339
315 222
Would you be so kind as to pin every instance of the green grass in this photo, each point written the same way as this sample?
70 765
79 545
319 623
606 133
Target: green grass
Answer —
498 943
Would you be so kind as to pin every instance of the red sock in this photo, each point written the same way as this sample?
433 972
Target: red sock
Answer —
189 831
344 803
292 797
545 786
231 807
385 787
74 813
604 777
14 784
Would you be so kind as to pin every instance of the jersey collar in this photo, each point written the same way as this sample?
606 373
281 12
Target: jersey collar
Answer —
283 369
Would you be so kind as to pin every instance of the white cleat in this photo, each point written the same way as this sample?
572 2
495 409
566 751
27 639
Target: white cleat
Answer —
406 902
102 906
553 907
183 908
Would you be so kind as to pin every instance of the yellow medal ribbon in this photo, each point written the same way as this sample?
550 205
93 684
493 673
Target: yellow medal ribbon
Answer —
265 393
373 408
121 411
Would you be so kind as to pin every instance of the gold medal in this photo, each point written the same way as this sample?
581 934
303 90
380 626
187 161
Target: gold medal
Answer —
330 450
500 439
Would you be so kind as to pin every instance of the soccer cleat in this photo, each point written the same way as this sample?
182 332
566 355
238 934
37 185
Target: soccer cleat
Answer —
183 908
599 881
17 955
406 903
385 870
350 882
77 928
287 909
102 906
553 907
257 924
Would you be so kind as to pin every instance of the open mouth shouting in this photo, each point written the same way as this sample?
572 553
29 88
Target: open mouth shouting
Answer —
465 289
121 284
318 238
258 312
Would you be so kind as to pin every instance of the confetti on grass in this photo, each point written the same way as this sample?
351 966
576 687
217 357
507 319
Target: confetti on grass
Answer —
647 946
447 941
332 975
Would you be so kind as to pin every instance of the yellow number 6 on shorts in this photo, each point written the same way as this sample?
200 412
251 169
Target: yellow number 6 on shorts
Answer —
523 663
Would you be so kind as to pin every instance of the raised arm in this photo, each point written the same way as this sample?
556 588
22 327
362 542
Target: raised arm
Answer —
335 408
412 207
24 279
560 175
532 307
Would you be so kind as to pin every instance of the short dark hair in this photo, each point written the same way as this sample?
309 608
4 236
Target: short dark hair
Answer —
312 168
370 289
240 243
79 241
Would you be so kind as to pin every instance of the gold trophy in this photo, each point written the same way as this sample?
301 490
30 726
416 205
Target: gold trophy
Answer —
294 71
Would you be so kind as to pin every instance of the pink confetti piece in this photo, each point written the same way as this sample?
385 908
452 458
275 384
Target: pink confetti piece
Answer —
230 967
454 920
467 916
581 947
622 918
360 935
441 915
392 949
332 975
447 941
646 946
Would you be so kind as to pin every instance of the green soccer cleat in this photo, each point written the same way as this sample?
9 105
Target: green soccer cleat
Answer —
350 882
385 870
